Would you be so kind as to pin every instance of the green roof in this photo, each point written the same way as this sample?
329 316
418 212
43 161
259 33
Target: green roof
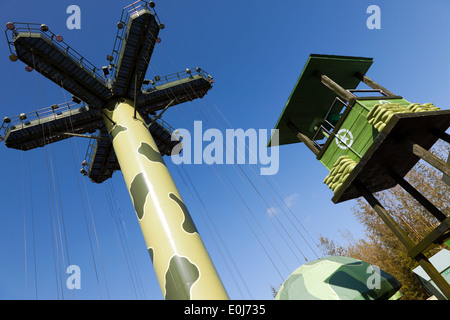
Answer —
310 99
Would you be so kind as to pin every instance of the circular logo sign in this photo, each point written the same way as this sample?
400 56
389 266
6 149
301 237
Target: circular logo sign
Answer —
344 139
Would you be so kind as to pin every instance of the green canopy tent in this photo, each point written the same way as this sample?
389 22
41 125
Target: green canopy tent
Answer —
338 278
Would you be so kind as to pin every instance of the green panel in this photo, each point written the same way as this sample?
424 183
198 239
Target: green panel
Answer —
363 133
311 99
368 104
358 129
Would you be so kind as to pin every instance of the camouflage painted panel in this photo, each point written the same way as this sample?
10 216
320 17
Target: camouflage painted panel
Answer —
139 191
116 130
150 252
179 278
151 154
188 224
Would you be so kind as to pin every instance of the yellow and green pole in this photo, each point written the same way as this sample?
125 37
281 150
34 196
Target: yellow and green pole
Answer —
181 262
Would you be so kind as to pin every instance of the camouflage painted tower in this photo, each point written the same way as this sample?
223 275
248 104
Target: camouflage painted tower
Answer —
368 139
118 106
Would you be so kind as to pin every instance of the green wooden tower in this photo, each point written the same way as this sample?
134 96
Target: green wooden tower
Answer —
368 139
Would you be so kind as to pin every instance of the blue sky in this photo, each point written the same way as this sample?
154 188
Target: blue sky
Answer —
255 50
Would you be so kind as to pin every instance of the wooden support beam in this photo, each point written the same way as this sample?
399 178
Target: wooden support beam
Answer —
434 274
303 138
438 214
425 155
440 282
385 216
336 88
373 84
434 237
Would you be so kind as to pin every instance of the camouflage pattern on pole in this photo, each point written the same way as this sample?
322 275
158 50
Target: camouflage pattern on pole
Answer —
182 264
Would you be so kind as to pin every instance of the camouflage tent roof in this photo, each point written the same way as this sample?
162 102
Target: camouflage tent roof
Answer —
338 278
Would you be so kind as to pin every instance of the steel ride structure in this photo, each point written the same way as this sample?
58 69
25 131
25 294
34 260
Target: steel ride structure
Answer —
121 110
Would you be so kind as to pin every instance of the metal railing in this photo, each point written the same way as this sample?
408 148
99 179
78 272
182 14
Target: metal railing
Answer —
188 73
167 127
360 93
24 27
40 116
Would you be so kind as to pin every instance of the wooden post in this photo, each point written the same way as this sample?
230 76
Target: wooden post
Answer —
438 214
426 155
303 138
384 215
436 237
336 88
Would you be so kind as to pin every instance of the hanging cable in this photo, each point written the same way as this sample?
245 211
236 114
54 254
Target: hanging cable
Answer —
33 231
277 192
89 207
63 234
274 183
121 244
190 187
245 219
248 223
55 249
24 226
53 223
123 239
254 187
300 233
262 198
127 238
249 210
60 224
59 231
31 200
56 204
